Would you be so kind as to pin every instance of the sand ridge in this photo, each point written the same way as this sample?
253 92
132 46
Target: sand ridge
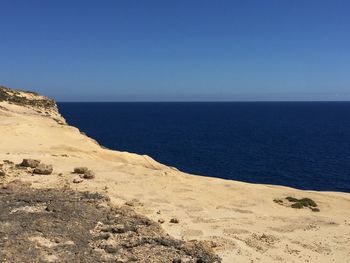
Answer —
241 220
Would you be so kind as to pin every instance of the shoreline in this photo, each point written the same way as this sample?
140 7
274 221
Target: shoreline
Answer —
241 219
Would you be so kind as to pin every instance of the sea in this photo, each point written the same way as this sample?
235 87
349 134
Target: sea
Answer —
305 145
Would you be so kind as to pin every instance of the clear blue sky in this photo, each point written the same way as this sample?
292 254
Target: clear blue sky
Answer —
169 50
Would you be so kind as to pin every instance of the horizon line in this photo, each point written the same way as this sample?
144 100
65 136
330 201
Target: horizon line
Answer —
212 101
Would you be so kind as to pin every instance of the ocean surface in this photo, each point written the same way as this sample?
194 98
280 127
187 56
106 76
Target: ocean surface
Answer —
305 145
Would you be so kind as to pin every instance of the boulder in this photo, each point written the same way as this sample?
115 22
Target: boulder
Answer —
2 173
32 163
80 170
89 174
43 169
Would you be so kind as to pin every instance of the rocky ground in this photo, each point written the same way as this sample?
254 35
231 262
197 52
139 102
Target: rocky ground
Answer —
63 225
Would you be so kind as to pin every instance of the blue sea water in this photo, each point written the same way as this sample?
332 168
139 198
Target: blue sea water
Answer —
305 145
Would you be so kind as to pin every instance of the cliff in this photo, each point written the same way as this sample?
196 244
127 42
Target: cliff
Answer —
241 222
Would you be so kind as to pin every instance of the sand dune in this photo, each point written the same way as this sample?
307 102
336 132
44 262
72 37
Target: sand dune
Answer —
242 220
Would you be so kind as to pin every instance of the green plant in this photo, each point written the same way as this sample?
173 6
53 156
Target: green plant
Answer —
303 202
292 199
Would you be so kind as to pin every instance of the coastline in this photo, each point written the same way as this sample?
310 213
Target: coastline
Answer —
240 219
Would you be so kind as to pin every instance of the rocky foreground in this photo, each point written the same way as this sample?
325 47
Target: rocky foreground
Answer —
62 225
64 198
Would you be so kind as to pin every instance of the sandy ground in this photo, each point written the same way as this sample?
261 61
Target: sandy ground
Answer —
241 219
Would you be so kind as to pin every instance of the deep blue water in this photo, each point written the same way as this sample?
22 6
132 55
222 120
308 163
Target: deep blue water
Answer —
299 144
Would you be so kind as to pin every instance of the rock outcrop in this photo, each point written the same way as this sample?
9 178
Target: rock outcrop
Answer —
26 98
32 100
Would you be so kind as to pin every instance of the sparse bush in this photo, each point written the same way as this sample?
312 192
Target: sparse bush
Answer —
304 202
292 199
308 202
297 205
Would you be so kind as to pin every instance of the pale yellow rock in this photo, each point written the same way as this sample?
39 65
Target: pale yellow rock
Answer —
240 219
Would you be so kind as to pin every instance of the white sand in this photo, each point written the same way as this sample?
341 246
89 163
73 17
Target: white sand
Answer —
240 218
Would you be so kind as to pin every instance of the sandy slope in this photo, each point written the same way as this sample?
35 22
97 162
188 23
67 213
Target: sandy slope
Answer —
242 219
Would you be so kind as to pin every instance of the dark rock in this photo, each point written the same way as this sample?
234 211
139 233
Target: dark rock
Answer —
161 220
104 236
89 174
174 220
43 169
111 249
80 170
77 180
2 173
120 228
32 163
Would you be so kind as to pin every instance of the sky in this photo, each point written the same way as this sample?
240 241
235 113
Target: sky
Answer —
177 50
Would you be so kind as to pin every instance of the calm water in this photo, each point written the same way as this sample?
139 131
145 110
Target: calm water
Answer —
299 144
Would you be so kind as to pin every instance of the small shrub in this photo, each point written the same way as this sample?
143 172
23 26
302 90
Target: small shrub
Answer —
292 199
304 202
297 205
308 202
278 201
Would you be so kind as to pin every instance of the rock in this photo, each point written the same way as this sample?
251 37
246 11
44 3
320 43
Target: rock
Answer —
161 220
2 173
111 249
174 220
119 228
105 236
80 170
43 169
32 163
77 180
89 174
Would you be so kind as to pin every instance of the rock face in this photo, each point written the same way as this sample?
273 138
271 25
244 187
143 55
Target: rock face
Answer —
32 163
43 169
